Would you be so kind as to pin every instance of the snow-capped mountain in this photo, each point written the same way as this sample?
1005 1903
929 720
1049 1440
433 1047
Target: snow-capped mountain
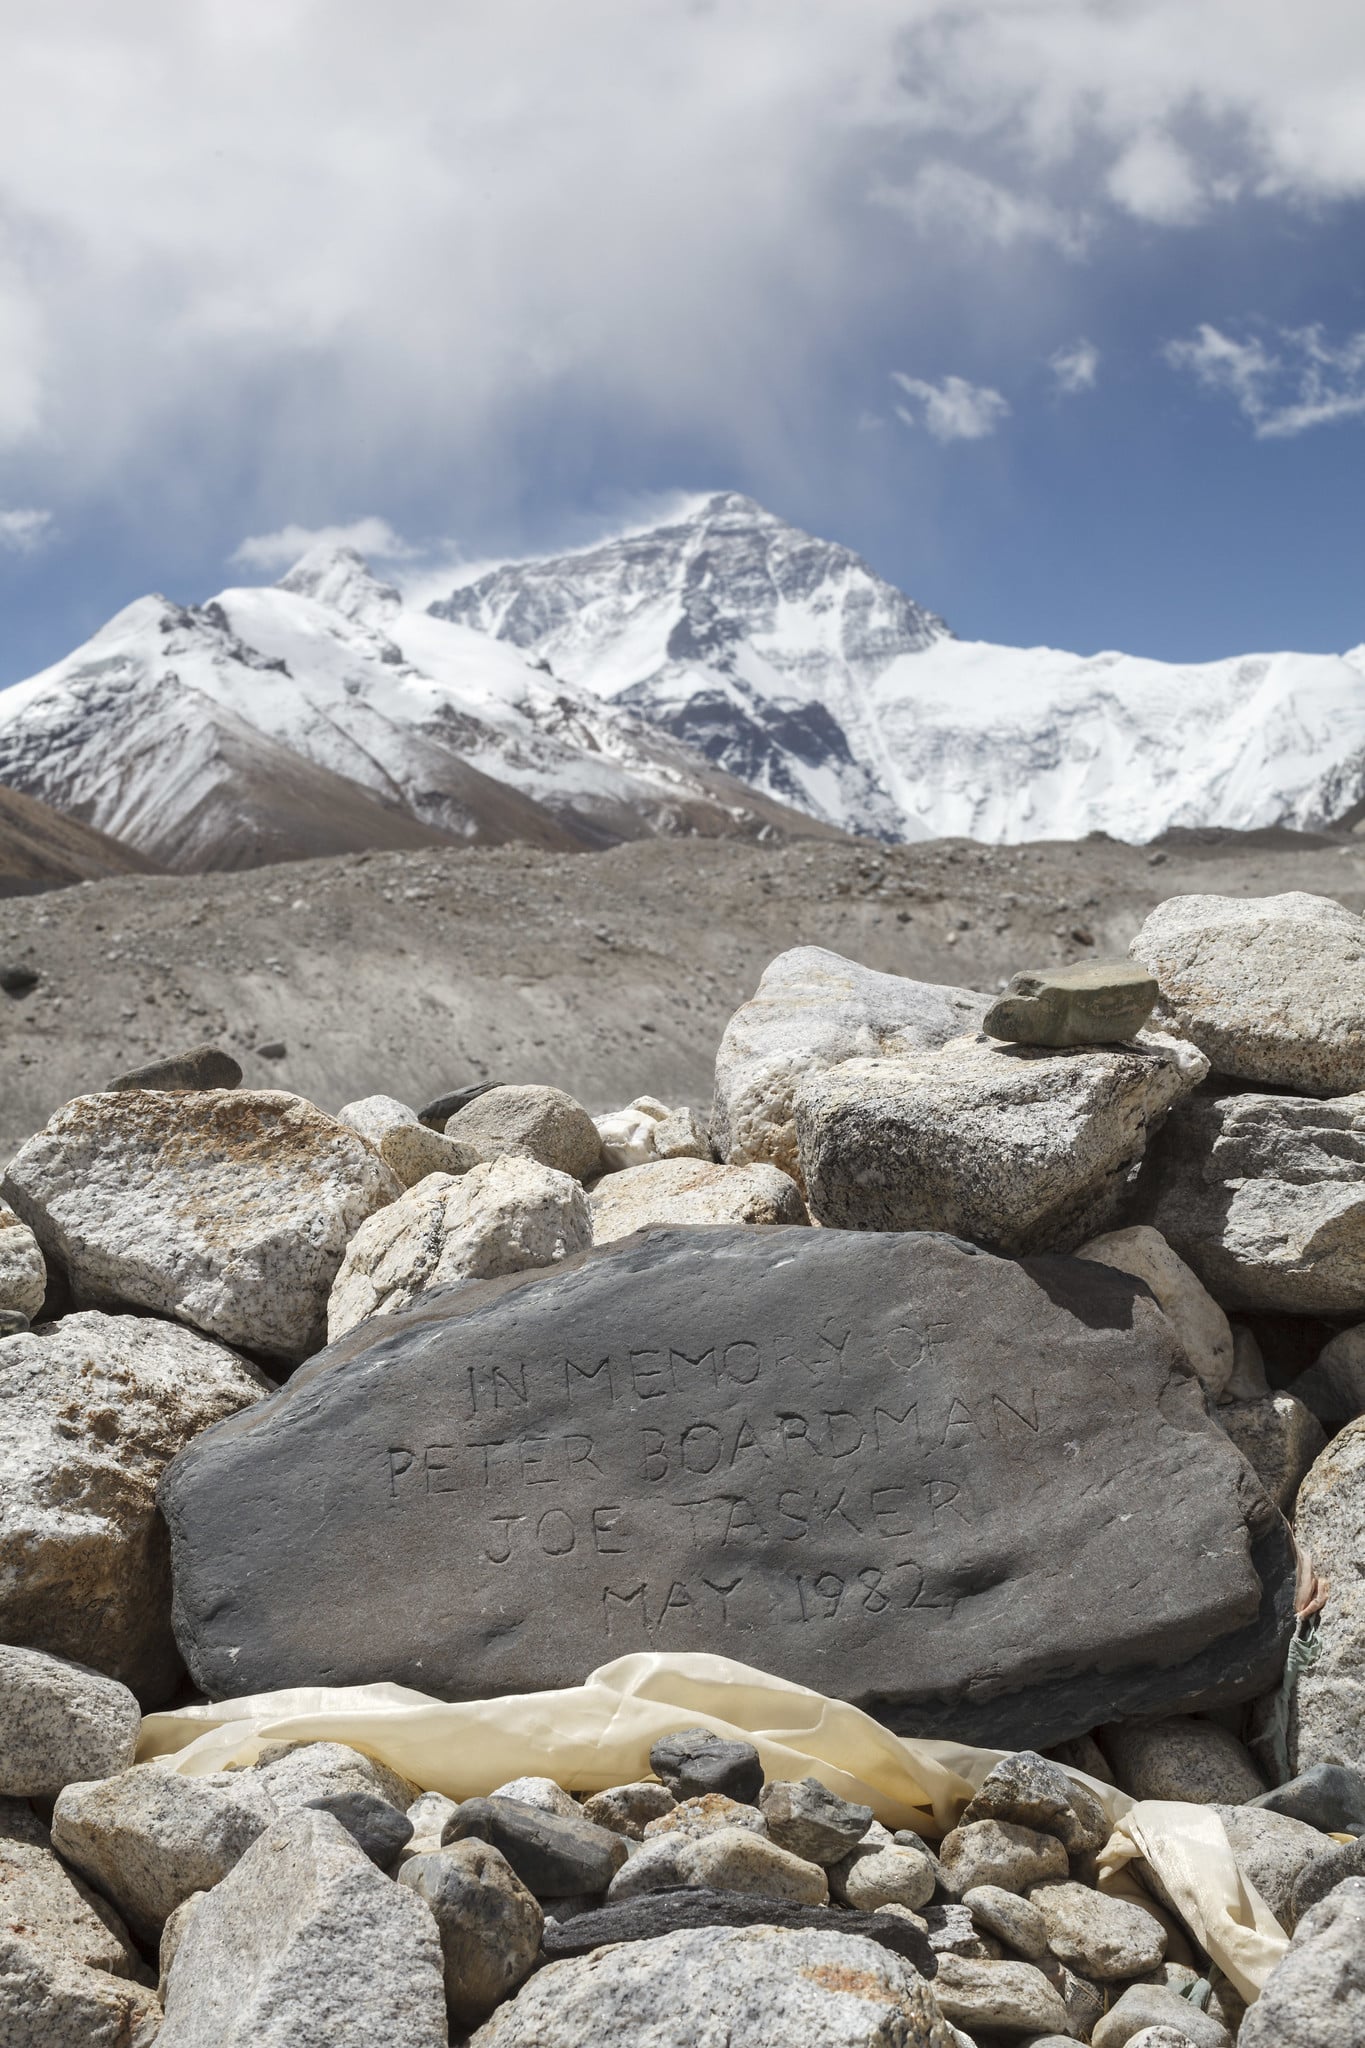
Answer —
790 663
321 715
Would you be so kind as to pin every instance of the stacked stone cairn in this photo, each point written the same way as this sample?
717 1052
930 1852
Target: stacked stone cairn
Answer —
1170 1152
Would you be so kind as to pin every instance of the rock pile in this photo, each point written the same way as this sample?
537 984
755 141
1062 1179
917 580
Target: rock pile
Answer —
999 1366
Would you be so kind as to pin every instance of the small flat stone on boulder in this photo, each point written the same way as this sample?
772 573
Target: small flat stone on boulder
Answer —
60 1721
1101 1002
806 1817
673 1191
228 1211
1271 988
1015 1148
508 1216
23 1269
813 1010
696 1761
202 1066
545 1122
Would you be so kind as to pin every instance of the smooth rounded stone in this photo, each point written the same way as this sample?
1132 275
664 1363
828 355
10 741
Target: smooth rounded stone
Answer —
1154 2005
1101 1002
655 1913
23 1269
507 1216
726 1987
412 1151
1000 1853
806 1817
94 1408
1333 1387
148 1837
695 1761
1264 1196
228 1211
1014 1148
202 1066
1271 988
1204 1331
1015 1921
1271 1850
381 1830
541 1792
429 1813
490 1925
41 1900
1082 1753
813 1010
1034 1792
1012 1998
545 1122
681 1191
1182 1758
1321 1875
60 1721
48 2000
1327 1716
1279 1438
553 1856
1315 1997
869 1878
437 1113
374 1116
703 1814
306 1945
628 1809
1329 1796
1098 1936
555 1509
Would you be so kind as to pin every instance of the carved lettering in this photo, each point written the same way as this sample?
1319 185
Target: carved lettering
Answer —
505 1525
437 1467
615 1607
702 1447
397 1468
604 1521
650 1381
555 1533
581 1380
654 1457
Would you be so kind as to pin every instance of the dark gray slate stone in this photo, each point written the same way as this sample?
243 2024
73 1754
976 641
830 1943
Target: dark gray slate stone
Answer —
1329 1796
695 1762
665 1912
974 1496
203 1066
554 1857
1338 1861
380 1829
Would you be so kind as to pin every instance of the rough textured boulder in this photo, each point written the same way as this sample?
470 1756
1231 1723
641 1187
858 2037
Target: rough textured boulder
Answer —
1316 1996
1017 1149
1279 1438
667 1191
1271 988
306 1945
23 1270
1101 1937
1334 1385
1179 1758
1009 1997
723 1987
545 1122
724 1860
504 1217
490 1925
1101 1002
40 1900
49 2000
94 1408
1264 1196
1327 1724
802 1447
1272 1850
1155 2006
60 1721
813 1010
229 1211
411 1152
1204 1331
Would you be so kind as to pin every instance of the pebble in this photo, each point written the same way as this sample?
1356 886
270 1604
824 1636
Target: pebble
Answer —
704 1814
1015 1921
1100 1003
1154 2005
628 1809
1014 1997
545 1122
1182 1758
806 1817
1033 1792
1000 1853
1098 1936
872 1877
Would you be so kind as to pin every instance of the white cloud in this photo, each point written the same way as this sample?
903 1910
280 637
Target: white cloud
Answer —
369 536
25 529
1301 381
953 410
1157 180
1075 368
947 199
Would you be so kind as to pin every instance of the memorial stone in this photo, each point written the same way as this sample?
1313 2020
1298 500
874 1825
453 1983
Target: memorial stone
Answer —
967 1493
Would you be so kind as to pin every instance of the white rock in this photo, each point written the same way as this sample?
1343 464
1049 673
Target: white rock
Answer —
1017 1148
869 1878
545 1122
1272 988
725 1987
376 1115
1204 1331
60 1721
541 1792
411 1151
684 1191
228 1209
1100 1937
48 2000
94 1408
647 1129
813 1010
23 1271
1327 1723
506 1216
306 1945
1013 1998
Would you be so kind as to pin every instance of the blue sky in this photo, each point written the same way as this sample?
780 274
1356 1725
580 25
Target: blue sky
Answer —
1055 309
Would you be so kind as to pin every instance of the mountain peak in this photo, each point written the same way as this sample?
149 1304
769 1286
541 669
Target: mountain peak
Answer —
342 578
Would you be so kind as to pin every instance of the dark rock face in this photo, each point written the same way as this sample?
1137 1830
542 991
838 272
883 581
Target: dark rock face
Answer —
203 1066
665 1912
556 1858
696 1762
968 1494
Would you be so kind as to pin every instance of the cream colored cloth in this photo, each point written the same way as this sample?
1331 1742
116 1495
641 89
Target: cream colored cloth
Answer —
600 1733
